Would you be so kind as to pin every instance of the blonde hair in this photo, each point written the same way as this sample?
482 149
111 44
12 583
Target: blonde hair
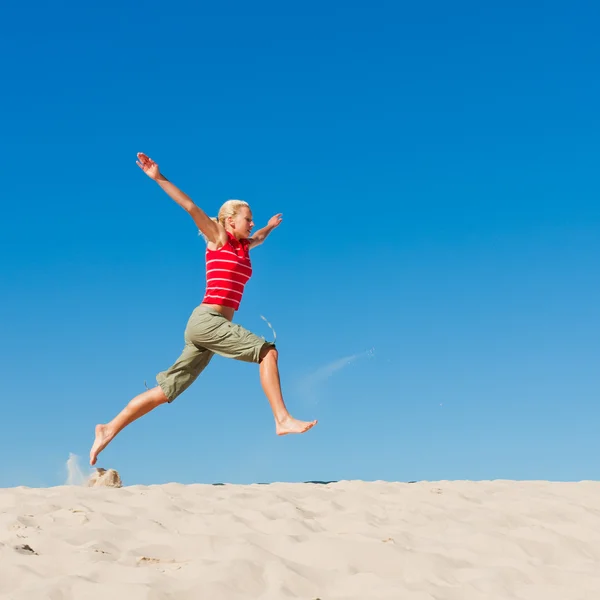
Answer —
228 209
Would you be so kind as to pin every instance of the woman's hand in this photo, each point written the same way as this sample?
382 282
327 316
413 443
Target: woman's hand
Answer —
146 164
212 231
274 221
261 235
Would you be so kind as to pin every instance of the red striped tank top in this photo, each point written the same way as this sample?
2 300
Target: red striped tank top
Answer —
228 269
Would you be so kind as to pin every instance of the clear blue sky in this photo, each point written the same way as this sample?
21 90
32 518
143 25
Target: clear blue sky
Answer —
437 168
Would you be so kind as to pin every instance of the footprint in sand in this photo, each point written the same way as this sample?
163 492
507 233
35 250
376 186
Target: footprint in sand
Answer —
25 549
148 560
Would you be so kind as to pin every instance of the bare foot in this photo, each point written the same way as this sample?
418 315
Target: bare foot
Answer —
102 439
291 425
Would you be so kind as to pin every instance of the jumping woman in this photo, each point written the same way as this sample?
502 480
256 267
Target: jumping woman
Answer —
210 329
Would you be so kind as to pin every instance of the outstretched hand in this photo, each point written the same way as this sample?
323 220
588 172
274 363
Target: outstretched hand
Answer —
147 165
274 221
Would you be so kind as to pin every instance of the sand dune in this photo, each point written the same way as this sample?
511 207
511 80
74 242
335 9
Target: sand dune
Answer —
346 540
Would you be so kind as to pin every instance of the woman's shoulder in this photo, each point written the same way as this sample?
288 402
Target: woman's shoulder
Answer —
215 247
231 244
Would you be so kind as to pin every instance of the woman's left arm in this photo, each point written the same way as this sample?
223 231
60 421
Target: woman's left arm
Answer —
261 235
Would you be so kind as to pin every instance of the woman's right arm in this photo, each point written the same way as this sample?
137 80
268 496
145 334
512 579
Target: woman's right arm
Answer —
214 232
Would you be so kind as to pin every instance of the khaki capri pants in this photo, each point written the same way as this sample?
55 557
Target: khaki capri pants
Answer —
208 333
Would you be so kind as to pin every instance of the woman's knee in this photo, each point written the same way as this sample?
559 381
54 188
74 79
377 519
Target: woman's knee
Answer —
269 353
158 396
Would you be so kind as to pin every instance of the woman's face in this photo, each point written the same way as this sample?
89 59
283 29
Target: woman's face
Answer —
242 224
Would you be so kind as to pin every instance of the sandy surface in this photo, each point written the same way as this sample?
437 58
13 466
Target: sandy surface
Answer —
350 540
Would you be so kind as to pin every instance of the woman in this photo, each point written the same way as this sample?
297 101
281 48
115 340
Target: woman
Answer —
210 329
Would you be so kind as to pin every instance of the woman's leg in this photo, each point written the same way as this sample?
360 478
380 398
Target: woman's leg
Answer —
211 330
138 407
172 382
269 378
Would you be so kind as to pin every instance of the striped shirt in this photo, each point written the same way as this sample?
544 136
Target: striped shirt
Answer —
228 269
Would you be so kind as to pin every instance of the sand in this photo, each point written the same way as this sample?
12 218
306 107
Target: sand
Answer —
353 540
